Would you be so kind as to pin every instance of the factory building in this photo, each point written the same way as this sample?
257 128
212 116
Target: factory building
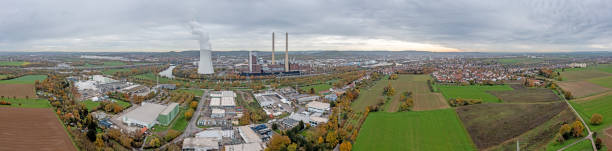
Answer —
150 114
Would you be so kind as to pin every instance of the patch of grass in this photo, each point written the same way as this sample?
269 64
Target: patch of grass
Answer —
492 124
472 92
13 63
584 145
519 60
28 103
603 81
554 146
113 71
317 87
90 105
195 92
417 84
424 130
107 64
179 123
28 79
601 105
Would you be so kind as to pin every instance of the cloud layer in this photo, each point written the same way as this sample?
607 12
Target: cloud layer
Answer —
433 25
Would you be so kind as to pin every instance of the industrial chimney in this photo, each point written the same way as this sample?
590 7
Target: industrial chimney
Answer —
286 52
250 61
273 61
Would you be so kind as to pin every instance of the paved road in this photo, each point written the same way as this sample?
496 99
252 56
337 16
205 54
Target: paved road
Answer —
191 126
590 136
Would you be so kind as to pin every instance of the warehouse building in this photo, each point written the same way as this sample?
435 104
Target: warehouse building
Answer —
168 114
317 107
148 115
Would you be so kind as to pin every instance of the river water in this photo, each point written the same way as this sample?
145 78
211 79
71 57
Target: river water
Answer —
168 72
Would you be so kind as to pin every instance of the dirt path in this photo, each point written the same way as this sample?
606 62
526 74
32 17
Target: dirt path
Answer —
590 134
592 97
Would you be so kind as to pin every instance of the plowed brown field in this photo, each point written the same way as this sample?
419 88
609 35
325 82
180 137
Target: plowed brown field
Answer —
32 129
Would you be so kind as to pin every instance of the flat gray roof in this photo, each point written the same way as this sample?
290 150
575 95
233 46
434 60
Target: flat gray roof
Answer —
169 108
146 113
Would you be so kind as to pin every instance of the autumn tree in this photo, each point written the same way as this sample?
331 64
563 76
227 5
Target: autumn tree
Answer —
596 119
346 146
99 142
565 130
278 142
189 114
577 129
155 142
388 90
194 104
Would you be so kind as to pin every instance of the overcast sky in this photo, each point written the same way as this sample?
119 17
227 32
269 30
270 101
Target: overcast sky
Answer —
430 25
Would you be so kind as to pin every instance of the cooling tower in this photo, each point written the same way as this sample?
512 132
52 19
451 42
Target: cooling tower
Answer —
205 65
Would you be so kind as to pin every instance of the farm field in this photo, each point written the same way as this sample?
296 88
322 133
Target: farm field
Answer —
417 84
526 95
543 136
472 92
429 101
518 60
491 124
603 81
578 75
13 63
422 130
601 105
582 88
28 103
29 128
17 91
28 79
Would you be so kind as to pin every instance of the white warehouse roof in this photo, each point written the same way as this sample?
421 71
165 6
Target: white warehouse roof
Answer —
318 105
215 102
228 101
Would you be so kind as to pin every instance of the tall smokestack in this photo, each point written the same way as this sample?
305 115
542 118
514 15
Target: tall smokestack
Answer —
250 61
286 52
273 62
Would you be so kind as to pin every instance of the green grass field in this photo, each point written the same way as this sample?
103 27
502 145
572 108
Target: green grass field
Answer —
113 71
151 76
472 92
179 123
424 130
518 60
195 92
13 63
29 79
582 146
92 105
28 103
317 87
602 105
603 81
417 84
107 64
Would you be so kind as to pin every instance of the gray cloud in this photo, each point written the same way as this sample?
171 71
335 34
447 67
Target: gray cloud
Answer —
161 25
